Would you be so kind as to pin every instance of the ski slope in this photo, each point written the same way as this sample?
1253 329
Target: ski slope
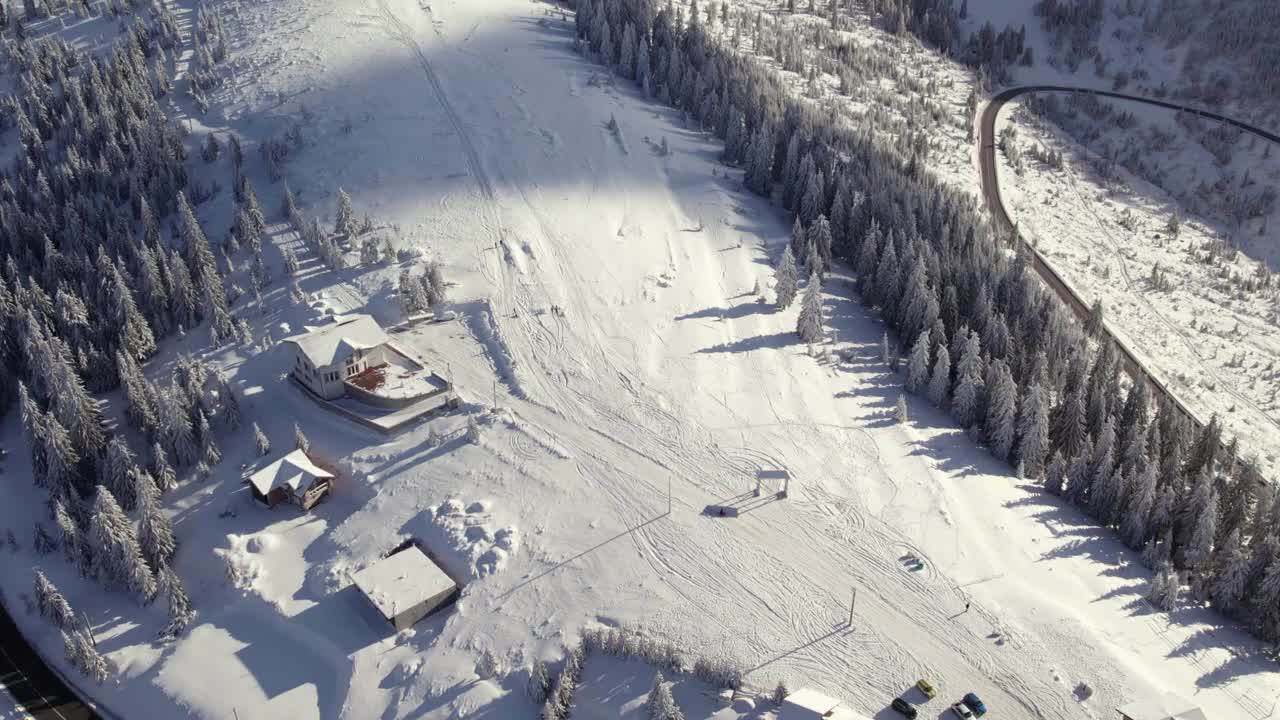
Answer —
484 139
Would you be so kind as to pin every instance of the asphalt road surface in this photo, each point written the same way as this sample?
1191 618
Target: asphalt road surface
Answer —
39 691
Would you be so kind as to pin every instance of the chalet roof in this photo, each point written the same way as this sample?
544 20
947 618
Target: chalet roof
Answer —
1166 707
293 471
806 704
402 581
331 344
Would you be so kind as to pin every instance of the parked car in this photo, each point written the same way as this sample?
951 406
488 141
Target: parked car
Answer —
903 707
975 704
923 686
961 711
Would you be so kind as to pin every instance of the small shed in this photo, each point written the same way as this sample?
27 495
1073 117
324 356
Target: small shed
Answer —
808 704
406 586
293 478
1169 706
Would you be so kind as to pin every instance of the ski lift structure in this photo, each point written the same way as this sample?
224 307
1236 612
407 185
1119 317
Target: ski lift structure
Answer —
773 477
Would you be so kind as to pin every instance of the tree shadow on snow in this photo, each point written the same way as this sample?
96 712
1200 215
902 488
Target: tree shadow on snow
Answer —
772 341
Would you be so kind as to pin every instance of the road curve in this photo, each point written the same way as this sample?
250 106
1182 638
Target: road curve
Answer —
38 690
1000 217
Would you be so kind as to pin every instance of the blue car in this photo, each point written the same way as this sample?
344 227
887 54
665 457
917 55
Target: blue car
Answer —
975 704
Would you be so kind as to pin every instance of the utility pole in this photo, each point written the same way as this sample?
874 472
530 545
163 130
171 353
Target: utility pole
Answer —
668 495
495 395
853 600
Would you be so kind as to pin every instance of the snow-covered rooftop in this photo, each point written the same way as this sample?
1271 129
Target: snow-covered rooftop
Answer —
293 471
1169 706
402 581
329 344
807 703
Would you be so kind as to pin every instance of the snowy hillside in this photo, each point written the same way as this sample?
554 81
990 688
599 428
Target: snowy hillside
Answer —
621 373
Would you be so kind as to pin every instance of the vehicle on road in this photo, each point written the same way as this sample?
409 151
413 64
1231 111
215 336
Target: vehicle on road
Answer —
961 711
975 704
923 686
903 707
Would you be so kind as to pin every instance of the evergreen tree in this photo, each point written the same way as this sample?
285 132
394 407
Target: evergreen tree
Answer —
940 380
161 472
809 322
345 224
1055 475
1135 526
1033 431
1002 404
260 442
1230 573
660 703
1163 593
82 653
180 610
155 533
52 604
785 279
918 365
539 683
1199 549
300 440
119 555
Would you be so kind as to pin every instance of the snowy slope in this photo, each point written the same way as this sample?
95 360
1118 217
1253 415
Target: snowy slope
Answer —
483 138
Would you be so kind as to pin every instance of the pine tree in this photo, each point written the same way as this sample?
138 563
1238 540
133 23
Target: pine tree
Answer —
1033 431
1163 593
1055 475
1135 528
1002 405
116 470
180 609
539 682
809 323
119 555
1230 573
300 440
918 365
940 381
345 224
161 471
900 409
660 703
260 442
1199 548
155 533
785 279
52 604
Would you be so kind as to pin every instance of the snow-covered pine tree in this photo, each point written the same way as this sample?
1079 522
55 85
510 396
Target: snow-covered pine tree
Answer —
1055 475
785 281
1230 573
261 444
155 532
115 471
300 440
1199 549
539 682
1078 476
43 542
1033 431
1135 526
87 658
180 610
918 365
1159 593
660 702
900 409
1002 408
345 223
1265 603
119 555
161 471
809 322
940 380
52 604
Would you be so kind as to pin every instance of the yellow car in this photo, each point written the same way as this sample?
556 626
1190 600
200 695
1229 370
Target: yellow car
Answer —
923 686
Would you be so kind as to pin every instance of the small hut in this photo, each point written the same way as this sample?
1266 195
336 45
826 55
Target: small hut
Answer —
293 478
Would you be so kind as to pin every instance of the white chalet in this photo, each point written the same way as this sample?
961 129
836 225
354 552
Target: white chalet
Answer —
325 357
293 478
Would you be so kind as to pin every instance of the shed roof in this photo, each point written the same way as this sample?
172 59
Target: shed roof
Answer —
1169 706
402 581
330 344
293 471
807 703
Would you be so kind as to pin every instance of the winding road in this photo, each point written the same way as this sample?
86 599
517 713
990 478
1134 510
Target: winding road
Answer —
1000 217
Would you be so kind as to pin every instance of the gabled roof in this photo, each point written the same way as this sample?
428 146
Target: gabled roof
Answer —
293 471
1169 706
330 344
402 581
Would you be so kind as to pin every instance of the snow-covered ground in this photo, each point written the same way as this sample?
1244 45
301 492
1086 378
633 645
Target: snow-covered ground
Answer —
482 137
9 709
1210 337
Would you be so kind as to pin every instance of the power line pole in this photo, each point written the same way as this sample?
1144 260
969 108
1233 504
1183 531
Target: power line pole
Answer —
668 495
852 601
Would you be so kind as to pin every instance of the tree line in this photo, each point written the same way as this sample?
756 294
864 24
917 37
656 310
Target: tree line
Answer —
987 341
